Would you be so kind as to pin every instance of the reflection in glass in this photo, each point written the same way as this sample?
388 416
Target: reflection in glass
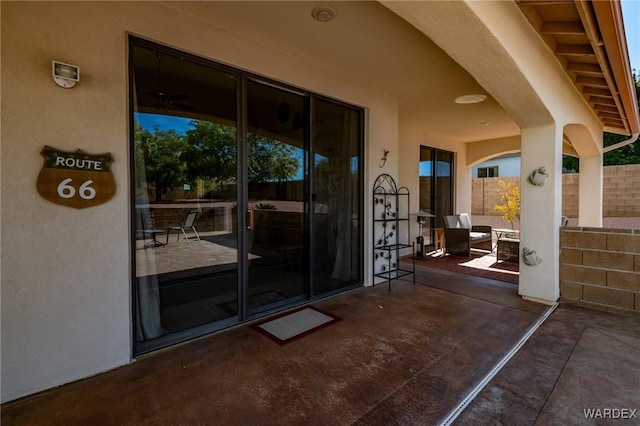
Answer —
276 146
184 153
337 188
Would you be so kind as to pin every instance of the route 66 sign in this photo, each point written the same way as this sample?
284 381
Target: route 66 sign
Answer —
76 179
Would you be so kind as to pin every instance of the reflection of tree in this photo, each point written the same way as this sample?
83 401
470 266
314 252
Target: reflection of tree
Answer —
270 160
206 152
157 159
210 152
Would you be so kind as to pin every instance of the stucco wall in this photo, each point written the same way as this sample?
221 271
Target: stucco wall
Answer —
66 297
621 194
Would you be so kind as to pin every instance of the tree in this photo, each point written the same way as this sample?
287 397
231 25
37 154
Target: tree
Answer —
510 208
157 158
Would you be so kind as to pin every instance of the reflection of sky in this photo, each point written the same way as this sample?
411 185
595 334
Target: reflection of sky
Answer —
444 168
163 122
181 125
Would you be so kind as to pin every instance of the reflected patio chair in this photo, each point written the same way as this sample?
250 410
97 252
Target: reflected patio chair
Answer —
188 223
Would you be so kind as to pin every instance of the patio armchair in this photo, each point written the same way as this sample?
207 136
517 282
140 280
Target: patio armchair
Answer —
460 235
188 223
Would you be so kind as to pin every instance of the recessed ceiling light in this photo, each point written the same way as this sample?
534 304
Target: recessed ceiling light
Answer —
486 123
323 13
470 99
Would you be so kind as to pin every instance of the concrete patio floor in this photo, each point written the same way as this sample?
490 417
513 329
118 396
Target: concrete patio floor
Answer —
407 357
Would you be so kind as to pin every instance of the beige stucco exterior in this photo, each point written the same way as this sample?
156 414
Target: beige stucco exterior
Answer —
66 273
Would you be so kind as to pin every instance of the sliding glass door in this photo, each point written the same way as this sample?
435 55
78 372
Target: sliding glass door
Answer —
436 186
277 148
184 153
246 195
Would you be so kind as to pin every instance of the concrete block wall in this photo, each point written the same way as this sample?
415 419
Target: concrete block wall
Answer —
621 194
486 194
600 268
621 191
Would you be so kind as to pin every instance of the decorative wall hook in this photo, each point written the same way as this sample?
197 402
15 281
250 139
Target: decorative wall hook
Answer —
383 160
530 257
537 176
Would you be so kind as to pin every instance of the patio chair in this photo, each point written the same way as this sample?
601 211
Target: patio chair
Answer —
188 223
460 235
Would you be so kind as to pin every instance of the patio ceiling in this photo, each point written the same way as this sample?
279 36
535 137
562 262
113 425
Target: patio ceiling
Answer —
399 60
405 63
588 40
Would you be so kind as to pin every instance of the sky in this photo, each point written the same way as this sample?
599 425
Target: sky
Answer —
631 16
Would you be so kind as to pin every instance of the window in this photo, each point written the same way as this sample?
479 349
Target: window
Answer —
488 172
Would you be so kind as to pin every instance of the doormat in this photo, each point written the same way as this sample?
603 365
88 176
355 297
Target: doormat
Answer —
294 325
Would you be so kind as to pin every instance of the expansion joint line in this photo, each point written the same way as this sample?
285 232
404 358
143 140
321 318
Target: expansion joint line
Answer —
453 414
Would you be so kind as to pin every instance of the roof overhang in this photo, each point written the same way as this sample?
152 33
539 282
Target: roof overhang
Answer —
588 39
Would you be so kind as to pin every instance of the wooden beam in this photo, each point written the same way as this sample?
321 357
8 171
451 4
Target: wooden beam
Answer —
562 28
598 92
606 115
543 2
605 108
614 124
574 50
585 68
592 81
601 101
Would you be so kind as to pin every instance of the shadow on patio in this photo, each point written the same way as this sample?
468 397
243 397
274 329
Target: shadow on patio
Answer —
404 357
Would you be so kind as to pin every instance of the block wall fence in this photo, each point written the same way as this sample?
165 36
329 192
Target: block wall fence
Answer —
600 268
621 194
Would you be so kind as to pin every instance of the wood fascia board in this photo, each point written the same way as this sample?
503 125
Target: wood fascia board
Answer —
611 26
593 29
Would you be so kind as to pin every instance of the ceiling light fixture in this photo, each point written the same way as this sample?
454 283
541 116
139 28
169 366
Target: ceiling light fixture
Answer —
323 13
470 99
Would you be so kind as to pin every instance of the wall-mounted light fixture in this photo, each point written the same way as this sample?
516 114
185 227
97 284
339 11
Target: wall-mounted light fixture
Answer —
538 176
65 75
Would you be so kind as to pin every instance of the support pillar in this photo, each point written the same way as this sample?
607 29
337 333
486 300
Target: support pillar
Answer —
541 208
590 192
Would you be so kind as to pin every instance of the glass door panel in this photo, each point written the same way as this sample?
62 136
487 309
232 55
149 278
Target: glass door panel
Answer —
185 167
337 193
276 150
436 186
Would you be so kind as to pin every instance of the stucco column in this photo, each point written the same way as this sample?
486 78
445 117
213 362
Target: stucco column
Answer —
590 192
540 212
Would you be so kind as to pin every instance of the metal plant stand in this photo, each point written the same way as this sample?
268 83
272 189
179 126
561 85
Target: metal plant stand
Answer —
390 230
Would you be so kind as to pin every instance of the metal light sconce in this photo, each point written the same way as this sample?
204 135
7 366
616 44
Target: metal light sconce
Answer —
65 75
538 176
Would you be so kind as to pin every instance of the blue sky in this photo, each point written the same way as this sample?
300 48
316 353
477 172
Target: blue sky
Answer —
631 15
